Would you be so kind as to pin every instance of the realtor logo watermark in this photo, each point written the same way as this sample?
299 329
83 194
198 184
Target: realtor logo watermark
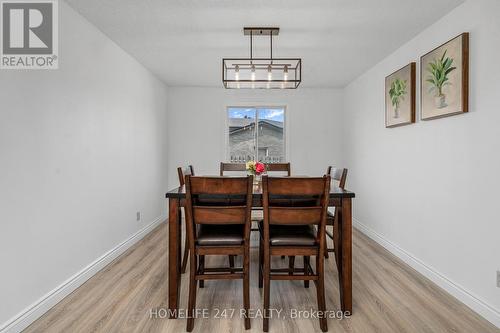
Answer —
29 34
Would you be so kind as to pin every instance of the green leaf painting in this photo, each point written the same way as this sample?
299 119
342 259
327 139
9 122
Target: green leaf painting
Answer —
400 96
439 69
397 93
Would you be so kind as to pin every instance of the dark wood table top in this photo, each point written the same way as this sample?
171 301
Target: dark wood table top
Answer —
335 192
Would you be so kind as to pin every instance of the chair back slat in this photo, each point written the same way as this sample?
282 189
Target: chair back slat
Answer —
241 167
182 172
219 215
232 167
219 185
294 216
279 167
295 186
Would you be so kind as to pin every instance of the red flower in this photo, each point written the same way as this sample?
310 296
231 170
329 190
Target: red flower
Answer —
259 168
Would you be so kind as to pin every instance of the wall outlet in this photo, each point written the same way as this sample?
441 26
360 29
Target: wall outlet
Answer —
138 217
498 279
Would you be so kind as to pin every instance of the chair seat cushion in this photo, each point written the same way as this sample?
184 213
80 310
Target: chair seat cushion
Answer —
220 235
288 235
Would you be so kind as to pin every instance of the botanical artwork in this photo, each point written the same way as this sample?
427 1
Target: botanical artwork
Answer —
444 79
400 97
397 93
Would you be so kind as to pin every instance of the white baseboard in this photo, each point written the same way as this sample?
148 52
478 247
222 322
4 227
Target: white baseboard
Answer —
38 308
475 303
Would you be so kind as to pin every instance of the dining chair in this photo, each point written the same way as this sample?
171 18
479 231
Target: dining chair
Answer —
295 212
237 168
339 175
218 213
183 172
272 169
275 168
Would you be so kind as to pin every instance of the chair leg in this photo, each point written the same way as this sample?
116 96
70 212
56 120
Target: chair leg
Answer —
186 249
306 270
246 287
202 270
320 291
192 294
186 256
267 285
261 263
336 241
231 263
326 246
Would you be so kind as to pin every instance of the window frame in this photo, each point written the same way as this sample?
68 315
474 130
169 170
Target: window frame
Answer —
256 107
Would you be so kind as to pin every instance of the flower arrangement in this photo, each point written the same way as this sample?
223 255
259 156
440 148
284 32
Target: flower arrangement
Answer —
255 168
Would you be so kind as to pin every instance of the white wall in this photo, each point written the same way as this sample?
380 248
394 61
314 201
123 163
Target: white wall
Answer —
82 149
430 190
197 120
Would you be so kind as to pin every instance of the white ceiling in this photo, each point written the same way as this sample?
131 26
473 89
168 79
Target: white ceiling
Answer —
183 41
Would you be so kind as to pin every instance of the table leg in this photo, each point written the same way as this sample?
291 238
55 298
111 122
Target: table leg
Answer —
346 256
337 237
174 257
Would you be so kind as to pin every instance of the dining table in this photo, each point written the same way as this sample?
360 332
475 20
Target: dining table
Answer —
339 198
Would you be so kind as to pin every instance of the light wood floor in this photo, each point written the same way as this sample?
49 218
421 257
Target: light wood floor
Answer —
388 296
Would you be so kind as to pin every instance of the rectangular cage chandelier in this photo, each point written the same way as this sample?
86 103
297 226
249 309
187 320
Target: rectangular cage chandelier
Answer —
261 73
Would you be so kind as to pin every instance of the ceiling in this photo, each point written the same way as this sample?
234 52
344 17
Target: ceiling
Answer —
183 41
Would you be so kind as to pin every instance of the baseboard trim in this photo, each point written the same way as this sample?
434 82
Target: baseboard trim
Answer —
38 308
475 303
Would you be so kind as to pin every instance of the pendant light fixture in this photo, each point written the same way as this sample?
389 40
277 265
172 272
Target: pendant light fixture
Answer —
261 73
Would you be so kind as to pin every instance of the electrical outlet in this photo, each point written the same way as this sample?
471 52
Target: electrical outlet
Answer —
138 216
498 279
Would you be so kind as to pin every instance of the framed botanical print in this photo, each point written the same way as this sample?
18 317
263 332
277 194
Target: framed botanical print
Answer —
444 79
400 97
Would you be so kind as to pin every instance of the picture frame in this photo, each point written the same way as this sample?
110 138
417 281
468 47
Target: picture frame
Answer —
400 96
444 79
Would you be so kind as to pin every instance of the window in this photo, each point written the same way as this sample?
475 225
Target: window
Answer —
263 151
256 133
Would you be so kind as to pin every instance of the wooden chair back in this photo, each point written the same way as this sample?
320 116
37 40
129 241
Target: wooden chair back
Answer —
183 172
338 174
295 201
279 167
218 200
238 167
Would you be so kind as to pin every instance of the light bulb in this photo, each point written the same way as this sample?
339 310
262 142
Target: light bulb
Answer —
252 76
269 73
285 73
237 73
